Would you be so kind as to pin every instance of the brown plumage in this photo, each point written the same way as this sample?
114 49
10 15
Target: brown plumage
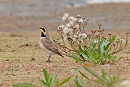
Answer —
47 45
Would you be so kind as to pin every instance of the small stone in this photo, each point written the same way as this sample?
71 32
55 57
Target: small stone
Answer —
13 74
28 72
33 59
108 65
13 50
7 60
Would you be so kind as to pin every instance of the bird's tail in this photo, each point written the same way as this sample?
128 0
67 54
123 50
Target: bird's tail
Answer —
61 55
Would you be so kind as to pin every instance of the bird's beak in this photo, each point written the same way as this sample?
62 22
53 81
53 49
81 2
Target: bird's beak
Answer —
41 27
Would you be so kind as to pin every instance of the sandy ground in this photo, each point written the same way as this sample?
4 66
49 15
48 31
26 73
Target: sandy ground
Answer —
21 59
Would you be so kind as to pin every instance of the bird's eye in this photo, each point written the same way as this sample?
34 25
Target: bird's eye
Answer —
43 29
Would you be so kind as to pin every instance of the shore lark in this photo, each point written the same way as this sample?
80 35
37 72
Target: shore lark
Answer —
47 45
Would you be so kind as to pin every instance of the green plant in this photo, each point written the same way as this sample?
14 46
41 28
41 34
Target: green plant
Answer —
58 83
24 85
79 82
96 53
47 81
104 79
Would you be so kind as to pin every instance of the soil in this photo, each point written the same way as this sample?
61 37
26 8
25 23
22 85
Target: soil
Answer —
21 60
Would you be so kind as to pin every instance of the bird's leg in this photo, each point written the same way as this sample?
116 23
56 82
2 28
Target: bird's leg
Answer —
49 56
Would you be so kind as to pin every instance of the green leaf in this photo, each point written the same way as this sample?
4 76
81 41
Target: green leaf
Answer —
84 75
76 50
93 73
102 46
86 57
99 43
85 47
41 83
77 70
24 85
63 82
57 82
103 74
110 42
90 58
80 51
79 82
119 58
77 58
46 75
52 78
93 46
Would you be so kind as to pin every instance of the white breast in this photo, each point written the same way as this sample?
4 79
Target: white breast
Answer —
42 46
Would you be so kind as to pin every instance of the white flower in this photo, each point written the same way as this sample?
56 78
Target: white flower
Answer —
64 18
122 40
78 16
71 18
125 83
81 20
84 35
66 15
77 26
75 19
65 38
61 26
67 30
95 41
71 31
75 37
71 23
80 38
80 35
68 25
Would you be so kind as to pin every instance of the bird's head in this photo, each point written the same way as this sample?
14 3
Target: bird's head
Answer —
43 30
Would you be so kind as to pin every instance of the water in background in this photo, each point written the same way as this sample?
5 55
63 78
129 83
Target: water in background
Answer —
42 7
106 1
34 7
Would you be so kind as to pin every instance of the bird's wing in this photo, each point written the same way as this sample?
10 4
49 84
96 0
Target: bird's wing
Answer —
50 46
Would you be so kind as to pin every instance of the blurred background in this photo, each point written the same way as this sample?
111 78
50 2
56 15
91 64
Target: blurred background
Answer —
29 15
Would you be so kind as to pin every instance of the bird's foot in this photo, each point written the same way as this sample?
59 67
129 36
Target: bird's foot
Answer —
48 61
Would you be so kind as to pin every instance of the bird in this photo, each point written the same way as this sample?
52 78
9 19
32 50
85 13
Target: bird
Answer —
47 45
